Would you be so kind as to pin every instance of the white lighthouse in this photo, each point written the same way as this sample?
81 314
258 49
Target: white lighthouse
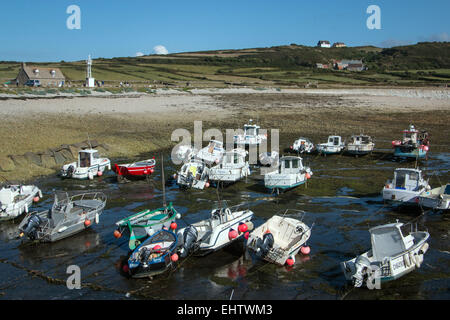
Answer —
90 81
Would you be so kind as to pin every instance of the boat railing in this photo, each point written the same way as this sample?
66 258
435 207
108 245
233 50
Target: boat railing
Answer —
290 212
100 196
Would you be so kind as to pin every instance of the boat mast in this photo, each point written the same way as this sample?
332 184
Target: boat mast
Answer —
163 182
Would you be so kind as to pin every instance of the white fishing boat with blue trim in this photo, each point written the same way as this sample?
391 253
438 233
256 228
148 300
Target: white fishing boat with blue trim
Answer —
232 168
88 166
395 252
406 187
333 146
213 153
17 199
437 198
303 145
290 174
251 136
360 145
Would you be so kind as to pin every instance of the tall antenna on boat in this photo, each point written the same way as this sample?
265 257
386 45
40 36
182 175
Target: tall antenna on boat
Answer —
89 140
163 182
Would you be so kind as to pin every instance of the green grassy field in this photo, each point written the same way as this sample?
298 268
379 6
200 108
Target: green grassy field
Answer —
422 64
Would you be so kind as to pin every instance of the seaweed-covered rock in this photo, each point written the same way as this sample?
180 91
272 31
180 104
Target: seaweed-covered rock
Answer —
74 151
59 158
19 161
66 154
47 161
33 158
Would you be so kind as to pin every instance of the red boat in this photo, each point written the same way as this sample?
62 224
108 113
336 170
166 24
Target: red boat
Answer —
138 169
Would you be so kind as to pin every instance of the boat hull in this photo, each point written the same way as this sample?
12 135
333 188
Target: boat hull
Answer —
12 211
416 153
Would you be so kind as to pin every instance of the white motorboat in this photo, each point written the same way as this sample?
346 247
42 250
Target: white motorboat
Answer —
360 145
213 153
183 153
290 174
280 238
89 165
226 224
333 146
392 255
437 198
406 187
303 145
17 199
232 168
193 174
251 136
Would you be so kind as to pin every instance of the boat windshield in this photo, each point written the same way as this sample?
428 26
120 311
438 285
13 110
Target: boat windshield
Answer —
386 242
295 163
447 189
250 131
85 159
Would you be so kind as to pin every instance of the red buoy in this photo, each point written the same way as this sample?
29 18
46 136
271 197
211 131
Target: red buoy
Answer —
87 223
207 185
99 173
117 234
292 147
157 248
36 199
151 170
308 176
242 227
232 234
125 268
290 262
246 235
173 225
305 250
174 257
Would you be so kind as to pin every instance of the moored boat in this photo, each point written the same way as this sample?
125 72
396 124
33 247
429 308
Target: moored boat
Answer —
303 145
437 198
213 153
406 187
250 136
140 169
290 174
414 144
280 238
89 165
193 174
359 145
68 216
392 255
231 168
333 146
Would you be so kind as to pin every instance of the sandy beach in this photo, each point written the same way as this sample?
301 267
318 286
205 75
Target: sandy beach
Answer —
132 124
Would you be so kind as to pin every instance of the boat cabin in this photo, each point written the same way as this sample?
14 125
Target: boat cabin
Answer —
251 130
334 141
360 139
233 157
410 135
388 241
290 164
407 179
7 195
215 145
88 158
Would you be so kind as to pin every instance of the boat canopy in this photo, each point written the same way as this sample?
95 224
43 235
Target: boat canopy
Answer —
407 179
388 241
334 140
290 163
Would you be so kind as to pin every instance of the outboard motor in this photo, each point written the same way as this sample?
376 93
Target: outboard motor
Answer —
31 226
144 254
362 266
190 235
70 171
265 244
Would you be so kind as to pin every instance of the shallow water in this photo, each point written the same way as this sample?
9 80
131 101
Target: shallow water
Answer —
342 199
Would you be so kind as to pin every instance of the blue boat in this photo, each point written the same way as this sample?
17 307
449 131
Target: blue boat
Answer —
414 144
154 256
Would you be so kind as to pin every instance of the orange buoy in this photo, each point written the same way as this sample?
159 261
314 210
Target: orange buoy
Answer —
305 250
36 199
292 147
207 184
173 225
99 173
87 223
308 176
117 234
174 257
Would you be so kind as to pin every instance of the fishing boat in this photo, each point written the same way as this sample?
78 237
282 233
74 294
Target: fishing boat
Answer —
143 224
303 145
414 144
17 199
213 153
232 168
270 159
280 238
290 174
406 187
68 216
89 165
138 169
437 198
225 225
251 136
193 174
183 153
333 146
360 145
392 255
153 256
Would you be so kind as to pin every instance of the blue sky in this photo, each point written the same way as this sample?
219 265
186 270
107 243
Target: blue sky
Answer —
36 30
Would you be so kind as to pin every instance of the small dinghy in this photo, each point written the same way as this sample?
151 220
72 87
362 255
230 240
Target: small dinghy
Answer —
290 174
89 165
17 199
406 187
193 174
154 256
67 217
280 238
232 168
414 144
392 256
223 227
213 153
146 223
333 146
437 198
250 137
140 169
360 145
269 159
303 145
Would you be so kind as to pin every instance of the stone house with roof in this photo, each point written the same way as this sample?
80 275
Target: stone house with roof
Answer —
45 77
